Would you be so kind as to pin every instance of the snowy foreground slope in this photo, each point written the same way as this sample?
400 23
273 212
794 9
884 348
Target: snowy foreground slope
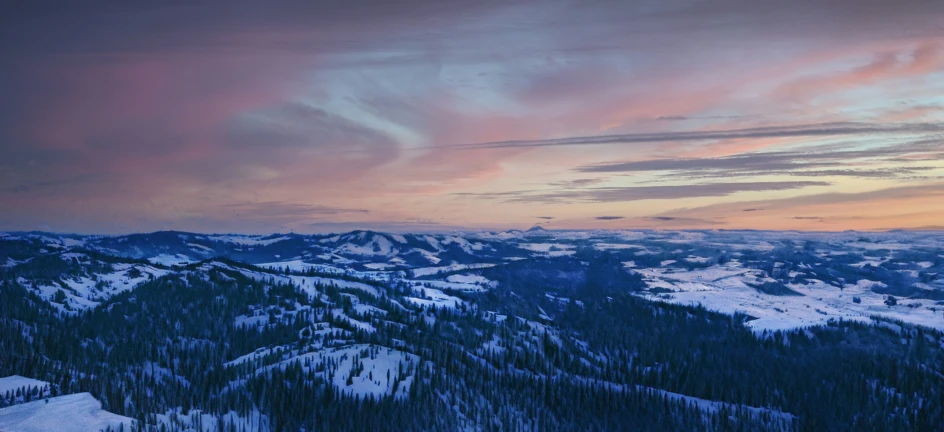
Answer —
82 412
72 413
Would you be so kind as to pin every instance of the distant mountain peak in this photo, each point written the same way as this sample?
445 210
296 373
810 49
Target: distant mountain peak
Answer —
536 228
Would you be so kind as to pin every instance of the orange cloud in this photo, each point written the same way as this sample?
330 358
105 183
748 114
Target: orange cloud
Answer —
911 206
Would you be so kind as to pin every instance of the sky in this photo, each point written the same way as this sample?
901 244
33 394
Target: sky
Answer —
432 115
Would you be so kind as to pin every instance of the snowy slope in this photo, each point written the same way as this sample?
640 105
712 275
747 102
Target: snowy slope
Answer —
362 369
728 289
87 291
175 420
72 413
306 283
14 382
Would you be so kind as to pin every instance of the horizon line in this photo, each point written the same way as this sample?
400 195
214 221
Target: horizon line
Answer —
934 229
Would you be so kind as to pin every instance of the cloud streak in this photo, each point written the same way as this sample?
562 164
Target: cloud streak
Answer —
285 210
874 209
639 193
814 162
810 130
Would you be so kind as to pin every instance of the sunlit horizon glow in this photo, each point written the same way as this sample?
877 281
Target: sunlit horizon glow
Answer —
439 115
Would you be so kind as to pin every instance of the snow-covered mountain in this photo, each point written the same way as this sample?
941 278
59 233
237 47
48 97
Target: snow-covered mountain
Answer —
357 247
194 331
783 280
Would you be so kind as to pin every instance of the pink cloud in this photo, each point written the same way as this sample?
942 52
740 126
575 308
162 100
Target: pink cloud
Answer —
886 66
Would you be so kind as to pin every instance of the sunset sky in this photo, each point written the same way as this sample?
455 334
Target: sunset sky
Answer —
422 115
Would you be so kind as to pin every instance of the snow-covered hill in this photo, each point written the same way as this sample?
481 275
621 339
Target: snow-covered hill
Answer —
71 413
782 280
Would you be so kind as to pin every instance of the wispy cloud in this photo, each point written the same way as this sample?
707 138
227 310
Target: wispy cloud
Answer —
683 221
639 193
809 130
920 204
50 185
687 118
287 211
576 183
813 162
